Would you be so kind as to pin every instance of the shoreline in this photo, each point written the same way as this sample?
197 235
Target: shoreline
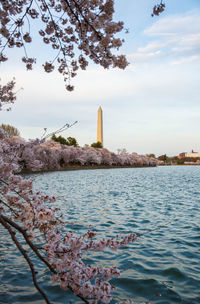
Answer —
77 167
192 164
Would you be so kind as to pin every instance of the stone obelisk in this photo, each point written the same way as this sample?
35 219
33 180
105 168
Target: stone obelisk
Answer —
100 126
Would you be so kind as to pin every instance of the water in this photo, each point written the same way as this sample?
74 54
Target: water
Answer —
161 267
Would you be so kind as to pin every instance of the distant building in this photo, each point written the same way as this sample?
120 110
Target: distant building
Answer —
182 155
191 154
100 126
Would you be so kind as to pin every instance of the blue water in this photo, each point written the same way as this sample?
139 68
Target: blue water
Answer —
160 267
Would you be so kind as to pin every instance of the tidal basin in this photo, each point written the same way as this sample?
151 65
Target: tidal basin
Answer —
160 267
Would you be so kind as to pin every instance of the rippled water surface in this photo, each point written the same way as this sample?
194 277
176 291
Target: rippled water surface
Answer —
161 267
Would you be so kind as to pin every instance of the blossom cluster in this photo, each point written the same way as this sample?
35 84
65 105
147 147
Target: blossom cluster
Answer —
78 31
158 9
7 95
34 216
51 155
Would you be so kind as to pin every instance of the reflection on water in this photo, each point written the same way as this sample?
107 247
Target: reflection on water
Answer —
161 267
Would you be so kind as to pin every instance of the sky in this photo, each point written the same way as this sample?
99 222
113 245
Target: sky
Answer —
151 107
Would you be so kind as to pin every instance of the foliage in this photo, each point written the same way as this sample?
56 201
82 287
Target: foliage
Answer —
97 145
176 160
151 155
180 162
59 139
10 130
70 141
163 157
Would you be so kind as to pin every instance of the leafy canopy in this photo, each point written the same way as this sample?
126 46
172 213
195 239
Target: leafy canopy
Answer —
10 130
70 141
97 145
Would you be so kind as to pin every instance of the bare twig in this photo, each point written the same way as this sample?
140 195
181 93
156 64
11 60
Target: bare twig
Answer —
154 229
65 127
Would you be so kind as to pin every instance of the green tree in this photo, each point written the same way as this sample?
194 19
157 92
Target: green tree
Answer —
71 141
10 130
59 139
180 162
97 145
164 158
151 155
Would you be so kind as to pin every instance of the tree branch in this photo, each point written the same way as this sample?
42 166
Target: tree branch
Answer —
11 209
23 252
7 221
154 229
26 11
86 20
26 237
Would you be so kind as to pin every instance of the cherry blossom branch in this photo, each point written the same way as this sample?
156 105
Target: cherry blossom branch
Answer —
21 20
75 15
28 260
159 8
11 209
53 22
86 20
28 241
33 247
98 34
19 194
7 96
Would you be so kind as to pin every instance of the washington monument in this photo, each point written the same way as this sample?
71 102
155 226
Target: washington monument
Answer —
100 125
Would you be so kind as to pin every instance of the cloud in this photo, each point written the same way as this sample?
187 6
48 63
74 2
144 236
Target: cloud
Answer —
185 60
173 39
187 44
155 45
175 25
146 107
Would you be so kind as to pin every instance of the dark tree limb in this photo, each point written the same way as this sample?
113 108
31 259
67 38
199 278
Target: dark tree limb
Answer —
28 241
10 208
23 252
9 222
